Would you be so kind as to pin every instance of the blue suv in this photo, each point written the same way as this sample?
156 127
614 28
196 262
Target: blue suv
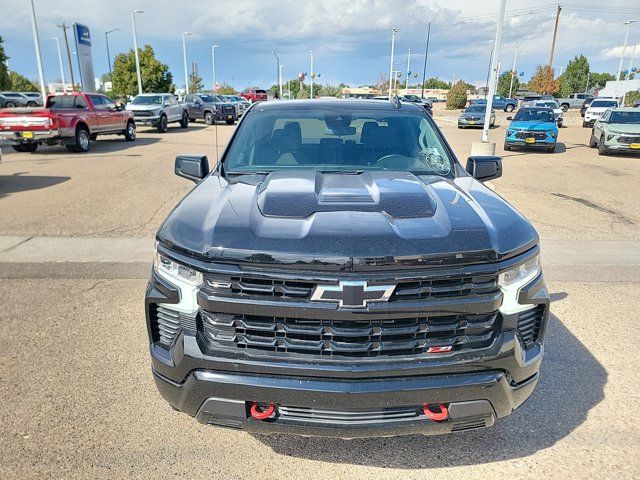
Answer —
533 127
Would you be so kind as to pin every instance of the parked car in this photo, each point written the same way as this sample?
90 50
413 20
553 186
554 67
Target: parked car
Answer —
596 110
254 94
240 103
158 110
73 120
585 105
14 99
529 99
424 103
575 100
558 112
618 130
532 127
269 304
210 108
636 104
499 103
473 116
34 99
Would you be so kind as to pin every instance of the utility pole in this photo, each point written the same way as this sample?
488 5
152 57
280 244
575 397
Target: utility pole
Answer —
426 54
106 37
184 57
213 62
311 74
135 48
66 42
64 84
486 85
513 71
492 82
36 41
624 48
277 72
393 46
555 33
406 84
586 87
280 81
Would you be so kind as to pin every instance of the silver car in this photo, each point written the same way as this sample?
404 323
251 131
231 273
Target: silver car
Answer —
473 116
242 104
158 110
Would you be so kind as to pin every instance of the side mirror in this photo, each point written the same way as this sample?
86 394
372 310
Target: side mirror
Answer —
509 118
192 167
484 168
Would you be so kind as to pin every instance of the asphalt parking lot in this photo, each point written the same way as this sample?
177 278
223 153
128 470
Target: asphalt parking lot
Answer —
78 399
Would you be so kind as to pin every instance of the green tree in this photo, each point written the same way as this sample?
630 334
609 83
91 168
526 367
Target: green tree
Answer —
504 82
20 83
156 76
5 82
574 78
436 83
225 89
457 96
599 80
302 94
630 98
195 81
544 81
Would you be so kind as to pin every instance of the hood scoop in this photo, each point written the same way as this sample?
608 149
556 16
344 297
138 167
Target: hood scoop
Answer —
300 194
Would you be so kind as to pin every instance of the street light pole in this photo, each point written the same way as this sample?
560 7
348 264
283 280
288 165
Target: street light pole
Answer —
393 46
184 57
513 71
280 80
135 48
492 82
278 73
624 47
426 53
453 80
213 62
631 60
106 37
36 41
66 42
311 74
64 84
406 85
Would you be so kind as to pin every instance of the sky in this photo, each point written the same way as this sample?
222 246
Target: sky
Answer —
351 39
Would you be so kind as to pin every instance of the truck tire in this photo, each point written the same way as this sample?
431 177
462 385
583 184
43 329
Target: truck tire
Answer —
130 131
551 149
230 121
592 141
509 108
163 125
10 105
82 141
208 118
506 147
94 137
564 106
184 121
32 104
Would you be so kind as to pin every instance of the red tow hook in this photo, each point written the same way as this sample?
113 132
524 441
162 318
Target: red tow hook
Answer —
262 411
436 416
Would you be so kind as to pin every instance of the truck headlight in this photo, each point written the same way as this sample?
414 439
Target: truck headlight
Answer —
512 280
172 270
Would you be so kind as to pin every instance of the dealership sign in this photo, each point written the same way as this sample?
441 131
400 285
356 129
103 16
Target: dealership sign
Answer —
85 59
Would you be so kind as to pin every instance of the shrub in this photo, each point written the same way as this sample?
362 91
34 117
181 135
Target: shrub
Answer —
457 96
630 98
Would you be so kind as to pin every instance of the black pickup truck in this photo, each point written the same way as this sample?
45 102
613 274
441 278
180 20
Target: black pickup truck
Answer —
340 273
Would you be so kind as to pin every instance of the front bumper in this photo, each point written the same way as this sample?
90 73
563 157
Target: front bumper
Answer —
348 398
462 122
153 121
17 137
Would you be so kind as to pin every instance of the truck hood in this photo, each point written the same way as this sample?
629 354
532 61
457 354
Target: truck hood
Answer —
345 220
623 128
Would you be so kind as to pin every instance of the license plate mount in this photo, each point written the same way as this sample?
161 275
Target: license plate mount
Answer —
27 134
635 146
530 140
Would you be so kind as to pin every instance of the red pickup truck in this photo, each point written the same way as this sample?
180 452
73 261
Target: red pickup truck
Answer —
73 120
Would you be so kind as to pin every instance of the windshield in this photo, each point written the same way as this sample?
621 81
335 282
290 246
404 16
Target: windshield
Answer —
548 104
604 103
625 117
147 100
330 139
476 109
207 98
533 115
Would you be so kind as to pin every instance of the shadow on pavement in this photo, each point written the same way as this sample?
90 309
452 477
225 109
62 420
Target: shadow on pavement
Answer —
572 382
20 183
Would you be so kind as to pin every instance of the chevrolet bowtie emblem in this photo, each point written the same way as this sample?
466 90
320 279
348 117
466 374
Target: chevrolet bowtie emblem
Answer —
352 294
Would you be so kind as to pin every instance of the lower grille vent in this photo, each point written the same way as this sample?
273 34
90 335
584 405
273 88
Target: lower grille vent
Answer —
167 323
529 325
311 415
